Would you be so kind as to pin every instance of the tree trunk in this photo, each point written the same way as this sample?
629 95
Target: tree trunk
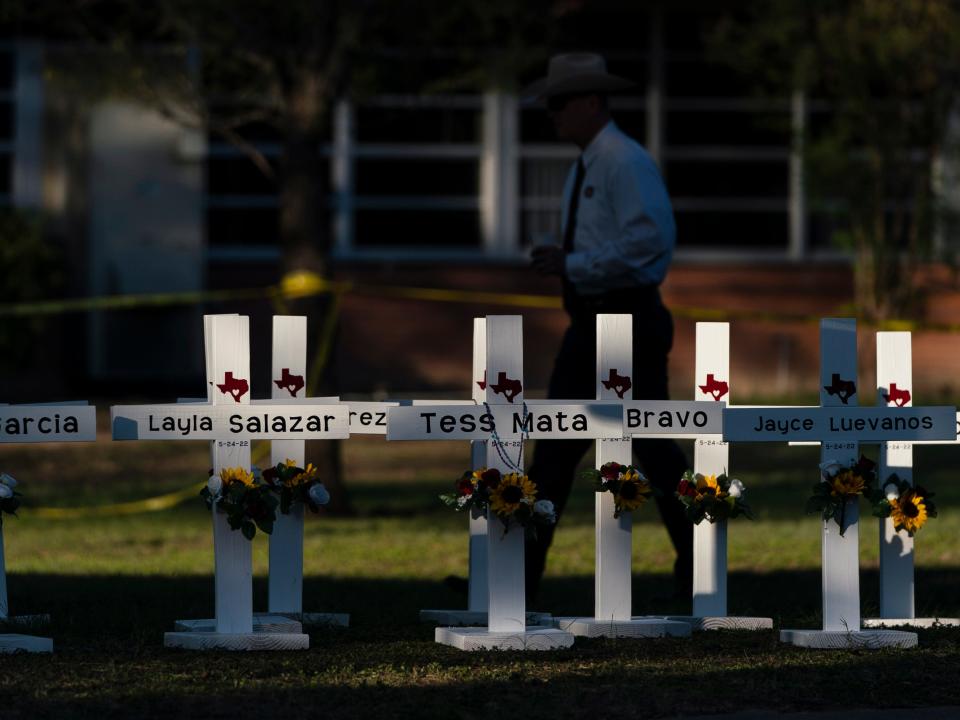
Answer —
305 238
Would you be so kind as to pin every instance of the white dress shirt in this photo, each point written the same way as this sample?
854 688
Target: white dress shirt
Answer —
625 231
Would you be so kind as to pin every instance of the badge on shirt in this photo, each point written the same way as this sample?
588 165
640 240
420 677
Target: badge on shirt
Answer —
588 193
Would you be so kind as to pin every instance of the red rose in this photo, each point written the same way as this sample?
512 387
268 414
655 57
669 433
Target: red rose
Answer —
490 478
464 486
610 471
686 488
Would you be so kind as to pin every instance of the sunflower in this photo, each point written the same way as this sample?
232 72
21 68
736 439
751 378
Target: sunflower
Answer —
302 478
510 492
909 512
237 475
634 491
846 484
708 485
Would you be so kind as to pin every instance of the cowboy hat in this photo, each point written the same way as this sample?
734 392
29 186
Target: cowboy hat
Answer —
575 73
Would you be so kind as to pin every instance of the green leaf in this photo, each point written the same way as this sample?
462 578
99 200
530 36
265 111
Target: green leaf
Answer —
248 529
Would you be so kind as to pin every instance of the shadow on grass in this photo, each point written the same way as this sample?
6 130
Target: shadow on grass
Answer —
109 660
90 611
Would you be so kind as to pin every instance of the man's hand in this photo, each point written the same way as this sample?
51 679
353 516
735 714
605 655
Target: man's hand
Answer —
549 260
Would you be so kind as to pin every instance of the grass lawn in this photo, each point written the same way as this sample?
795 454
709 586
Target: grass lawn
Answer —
114 585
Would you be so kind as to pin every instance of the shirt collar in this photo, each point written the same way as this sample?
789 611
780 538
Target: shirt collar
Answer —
596 145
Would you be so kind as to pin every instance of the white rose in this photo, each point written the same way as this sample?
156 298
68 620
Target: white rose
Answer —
891 491
546 509
7 480
214 485
736 488
5 492
831 468
318 493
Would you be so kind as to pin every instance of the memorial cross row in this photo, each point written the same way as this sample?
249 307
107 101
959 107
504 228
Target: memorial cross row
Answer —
840 426
230 422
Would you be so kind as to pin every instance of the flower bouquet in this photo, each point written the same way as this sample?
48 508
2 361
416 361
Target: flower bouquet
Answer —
246 500
296 484
629 487
908 506
511 496
9 498
839 484
712 497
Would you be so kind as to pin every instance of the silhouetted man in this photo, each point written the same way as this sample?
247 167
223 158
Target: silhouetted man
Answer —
618 240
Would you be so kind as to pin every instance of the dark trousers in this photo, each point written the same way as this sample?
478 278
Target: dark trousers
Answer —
662 461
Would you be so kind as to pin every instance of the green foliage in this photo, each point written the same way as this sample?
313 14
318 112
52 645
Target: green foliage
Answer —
629 487
839 485
246 507
293 484
9 505
703 501
881 81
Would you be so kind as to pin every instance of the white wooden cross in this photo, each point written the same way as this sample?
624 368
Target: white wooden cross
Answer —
66 422
288 386
711 456
504 422
229 421
613 604
840 426
895 389
370 418
476 612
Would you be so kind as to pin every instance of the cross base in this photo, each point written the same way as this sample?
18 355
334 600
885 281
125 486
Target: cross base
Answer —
933 622
262 623
724 622
636 627
473 617
480 638
273 622
24 643
236 641
846 640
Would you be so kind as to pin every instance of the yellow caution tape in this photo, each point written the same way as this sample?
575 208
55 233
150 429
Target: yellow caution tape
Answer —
124 302
133 507
549 302
303 283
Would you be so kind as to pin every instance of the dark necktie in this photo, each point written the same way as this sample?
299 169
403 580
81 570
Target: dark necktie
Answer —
571 227
569 294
